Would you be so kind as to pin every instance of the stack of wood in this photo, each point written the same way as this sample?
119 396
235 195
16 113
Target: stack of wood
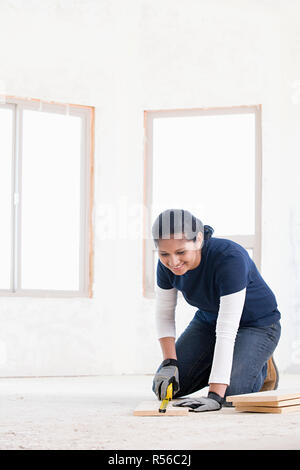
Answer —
275 401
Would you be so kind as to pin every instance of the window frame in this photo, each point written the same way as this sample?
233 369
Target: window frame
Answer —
247 241
87 114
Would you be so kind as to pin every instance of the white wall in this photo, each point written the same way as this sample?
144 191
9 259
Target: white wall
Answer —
123 57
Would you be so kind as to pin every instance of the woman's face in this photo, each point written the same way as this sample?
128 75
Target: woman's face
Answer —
180 255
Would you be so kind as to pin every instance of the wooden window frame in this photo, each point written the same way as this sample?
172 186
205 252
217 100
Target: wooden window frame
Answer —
87 113
247 241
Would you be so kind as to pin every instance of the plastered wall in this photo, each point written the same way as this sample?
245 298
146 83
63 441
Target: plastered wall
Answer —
125 57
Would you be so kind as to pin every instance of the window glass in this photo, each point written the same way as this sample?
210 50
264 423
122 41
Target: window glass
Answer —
6 129
50 201
206 164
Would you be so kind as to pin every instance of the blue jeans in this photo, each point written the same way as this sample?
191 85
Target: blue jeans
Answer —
253 347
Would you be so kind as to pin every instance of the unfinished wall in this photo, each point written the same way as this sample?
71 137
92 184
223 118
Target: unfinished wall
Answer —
124 57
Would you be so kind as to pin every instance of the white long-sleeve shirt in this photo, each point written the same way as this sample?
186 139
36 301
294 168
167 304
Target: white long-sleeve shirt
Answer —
229 315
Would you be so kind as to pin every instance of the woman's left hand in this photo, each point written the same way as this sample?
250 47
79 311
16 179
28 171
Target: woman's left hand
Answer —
212 402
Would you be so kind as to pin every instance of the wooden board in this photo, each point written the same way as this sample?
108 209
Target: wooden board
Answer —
268 396
268 409
277 404
150 408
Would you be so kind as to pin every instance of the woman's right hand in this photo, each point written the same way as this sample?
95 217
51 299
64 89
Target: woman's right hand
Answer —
167 373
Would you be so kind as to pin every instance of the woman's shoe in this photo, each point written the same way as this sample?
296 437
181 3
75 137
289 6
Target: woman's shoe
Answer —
272 377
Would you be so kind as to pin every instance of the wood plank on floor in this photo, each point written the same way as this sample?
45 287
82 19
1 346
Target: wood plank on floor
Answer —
277 404
270 395
268 409
150 408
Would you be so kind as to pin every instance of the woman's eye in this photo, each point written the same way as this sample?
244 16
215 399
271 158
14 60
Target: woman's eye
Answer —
180 252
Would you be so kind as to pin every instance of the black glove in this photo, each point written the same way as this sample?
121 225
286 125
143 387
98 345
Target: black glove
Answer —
212 402
167 373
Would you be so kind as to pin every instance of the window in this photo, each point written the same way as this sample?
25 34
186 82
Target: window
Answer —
46 179
207 161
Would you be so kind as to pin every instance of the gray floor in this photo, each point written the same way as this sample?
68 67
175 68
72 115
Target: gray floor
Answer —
97 413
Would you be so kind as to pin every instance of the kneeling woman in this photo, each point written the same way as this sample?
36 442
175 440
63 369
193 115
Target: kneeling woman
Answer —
229 343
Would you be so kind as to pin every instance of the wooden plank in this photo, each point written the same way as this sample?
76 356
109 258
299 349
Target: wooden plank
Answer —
270 395
268 409
278 404
150 408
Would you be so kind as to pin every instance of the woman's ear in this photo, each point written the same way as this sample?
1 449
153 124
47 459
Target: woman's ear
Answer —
200 237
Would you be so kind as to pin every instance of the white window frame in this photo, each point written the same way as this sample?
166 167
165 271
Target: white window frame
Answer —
252 242
86 113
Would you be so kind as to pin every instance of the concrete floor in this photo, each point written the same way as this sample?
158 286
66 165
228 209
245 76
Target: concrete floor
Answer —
97 413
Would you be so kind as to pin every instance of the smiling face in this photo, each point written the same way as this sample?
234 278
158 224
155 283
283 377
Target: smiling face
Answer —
180 255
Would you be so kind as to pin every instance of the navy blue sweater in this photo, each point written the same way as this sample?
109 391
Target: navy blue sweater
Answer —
225 268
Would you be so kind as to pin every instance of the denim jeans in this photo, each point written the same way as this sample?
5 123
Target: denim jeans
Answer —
253 347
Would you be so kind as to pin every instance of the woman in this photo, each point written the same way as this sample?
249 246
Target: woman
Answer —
228 345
